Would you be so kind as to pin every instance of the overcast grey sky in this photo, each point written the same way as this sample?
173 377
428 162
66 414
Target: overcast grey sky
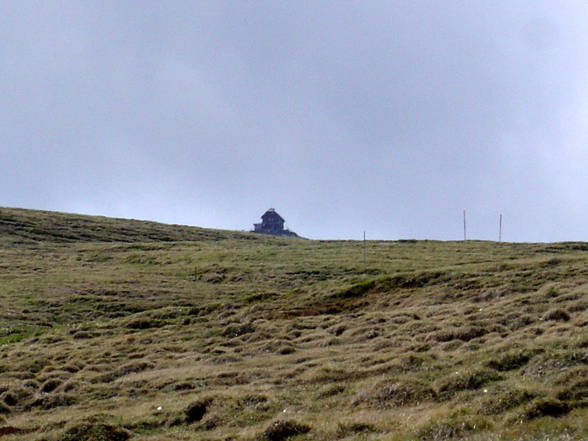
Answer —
385 116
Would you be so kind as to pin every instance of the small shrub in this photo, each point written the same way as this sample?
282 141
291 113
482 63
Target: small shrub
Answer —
545 407
196 410
280 430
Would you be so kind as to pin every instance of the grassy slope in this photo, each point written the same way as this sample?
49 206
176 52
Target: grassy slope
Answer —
122 324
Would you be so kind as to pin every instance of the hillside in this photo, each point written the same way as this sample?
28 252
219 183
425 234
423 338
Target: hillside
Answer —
21 226
114 329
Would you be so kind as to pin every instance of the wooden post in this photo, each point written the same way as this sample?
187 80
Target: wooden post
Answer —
500 228
464 225
364 247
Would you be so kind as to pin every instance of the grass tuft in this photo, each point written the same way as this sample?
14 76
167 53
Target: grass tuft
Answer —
95 432
501 400
452 427
557 314
510 360
51 401
469 379
348 429
280 430
50 385
386 394
545 407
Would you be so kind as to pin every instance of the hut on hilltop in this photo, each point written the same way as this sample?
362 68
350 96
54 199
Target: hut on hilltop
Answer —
272 223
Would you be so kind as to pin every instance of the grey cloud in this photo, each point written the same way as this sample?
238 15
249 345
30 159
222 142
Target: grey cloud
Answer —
389 117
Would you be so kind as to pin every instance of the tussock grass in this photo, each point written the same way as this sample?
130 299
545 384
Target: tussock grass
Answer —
452 427
545 407
396 392
499 400
280 430
120 328
94 432
511 359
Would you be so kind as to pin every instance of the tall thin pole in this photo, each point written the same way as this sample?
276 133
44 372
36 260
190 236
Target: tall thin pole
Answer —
500 228
464 225
364 247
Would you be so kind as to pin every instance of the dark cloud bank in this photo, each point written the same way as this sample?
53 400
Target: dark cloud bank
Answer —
390 117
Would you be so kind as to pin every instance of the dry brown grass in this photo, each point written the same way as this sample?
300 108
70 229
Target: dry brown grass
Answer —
111 327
